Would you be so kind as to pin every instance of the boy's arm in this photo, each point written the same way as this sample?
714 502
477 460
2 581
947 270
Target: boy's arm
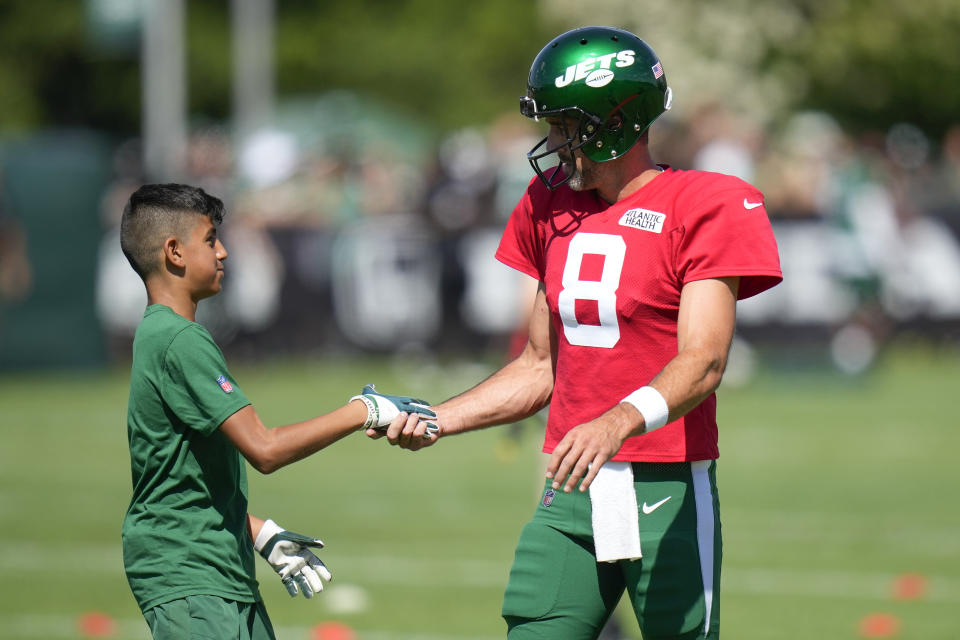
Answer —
254 524
270 449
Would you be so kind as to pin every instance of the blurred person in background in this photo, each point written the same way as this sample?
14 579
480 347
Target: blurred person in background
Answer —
640 267
16 273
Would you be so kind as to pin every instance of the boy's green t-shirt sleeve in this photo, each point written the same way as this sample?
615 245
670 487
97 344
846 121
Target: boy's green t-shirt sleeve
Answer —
197 385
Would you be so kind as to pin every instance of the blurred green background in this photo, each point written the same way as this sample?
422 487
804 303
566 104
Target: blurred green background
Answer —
379 142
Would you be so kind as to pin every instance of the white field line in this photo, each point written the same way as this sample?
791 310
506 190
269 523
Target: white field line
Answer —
391 570
16 557
837 528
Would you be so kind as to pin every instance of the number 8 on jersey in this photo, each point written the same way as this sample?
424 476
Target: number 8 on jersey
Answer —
607 333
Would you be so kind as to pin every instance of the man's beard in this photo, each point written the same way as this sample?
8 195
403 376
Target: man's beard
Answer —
577 181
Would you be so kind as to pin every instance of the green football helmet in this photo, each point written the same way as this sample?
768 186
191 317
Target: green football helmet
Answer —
607 81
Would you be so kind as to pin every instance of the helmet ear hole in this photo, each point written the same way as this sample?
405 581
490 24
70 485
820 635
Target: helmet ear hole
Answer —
614 122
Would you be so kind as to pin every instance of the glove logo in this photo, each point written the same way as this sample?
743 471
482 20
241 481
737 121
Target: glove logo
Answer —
548 497
225 384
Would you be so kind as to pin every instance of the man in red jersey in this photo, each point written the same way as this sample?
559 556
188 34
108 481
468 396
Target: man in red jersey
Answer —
640 268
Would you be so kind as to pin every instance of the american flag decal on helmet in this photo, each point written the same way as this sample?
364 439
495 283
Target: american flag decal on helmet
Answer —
225 384
657 70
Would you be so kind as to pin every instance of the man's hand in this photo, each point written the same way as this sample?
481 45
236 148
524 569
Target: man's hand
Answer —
586 447
290 556
382 410
411 431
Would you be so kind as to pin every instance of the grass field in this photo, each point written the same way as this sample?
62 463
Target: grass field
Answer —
840 501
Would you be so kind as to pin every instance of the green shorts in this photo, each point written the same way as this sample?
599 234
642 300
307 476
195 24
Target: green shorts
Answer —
557 589
209 617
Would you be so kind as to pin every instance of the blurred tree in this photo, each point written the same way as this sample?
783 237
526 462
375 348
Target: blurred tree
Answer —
875 63
454 63
870 62
51 74
450 63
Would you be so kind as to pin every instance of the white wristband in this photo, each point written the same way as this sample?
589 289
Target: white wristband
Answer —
373 413
651 406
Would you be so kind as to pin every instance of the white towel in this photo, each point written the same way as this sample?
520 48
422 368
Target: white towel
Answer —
616 531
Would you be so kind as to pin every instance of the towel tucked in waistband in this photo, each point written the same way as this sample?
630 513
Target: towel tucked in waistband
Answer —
616 532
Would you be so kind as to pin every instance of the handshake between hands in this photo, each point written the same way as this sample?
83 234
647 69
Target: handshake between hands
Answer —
384 410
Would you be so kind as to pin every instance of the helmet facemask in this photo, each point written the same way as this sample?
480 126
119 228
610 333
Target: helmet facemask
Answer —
587 127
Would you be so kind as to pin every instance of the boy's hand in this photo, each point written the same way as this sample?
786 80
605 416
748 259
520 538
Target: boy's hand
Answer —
382 409
289 555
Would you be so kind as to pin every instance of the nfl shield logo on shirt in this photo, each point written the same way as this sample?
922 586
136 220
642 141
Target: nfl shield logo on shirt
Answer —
548 497
225 384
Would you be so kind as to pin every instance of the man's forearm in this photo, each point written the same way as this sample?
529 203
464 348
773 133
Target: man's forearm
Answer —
516 391
683 384
704 333
688 379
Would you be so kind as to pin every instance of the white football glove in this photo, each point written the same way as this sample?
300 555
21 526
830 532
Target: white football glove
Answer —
382 409
290 556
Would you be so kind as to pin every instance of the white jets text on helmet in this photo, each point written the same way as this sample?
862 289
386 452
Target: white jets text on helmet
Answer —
581 70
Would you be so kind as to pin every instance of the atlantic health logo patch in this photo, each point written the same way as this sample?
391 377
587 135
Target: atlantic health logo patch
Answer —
643 219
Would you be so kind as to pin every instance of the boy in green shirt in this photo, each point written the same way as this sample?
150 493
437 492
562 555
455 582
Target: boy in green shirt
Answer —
188 540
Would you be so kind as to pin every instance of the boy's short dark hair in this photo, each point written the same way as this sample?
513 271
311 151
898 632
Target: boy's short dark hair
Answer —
154 213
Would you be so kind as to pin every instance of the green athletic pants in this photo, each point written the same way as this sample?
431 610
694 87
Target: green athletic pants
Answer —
196 617
557 589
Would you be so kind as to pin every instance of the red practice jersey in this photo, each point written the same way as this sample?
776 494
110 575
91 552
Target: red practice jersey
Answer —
613 275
